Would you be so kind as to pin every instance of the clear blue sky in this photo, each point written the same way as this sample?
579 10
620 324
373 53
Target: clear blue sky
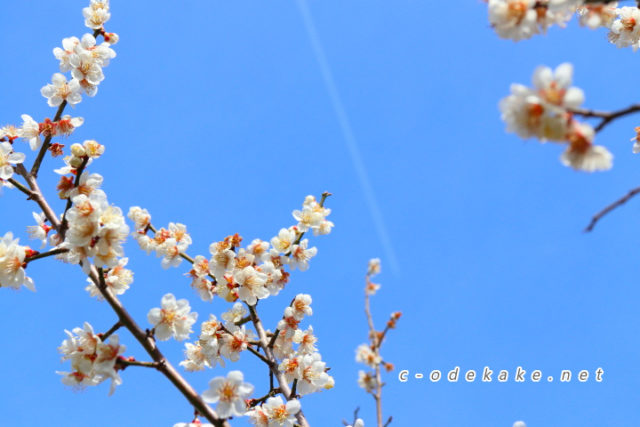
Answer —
216 114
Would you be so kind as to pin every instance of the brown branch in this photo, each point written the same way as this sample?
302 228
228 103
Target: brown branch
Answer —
47 141
21 187
282 381
107 334
149 344
606 116
375 347
597 217
63 227
38 197
41 255
125 319
123 363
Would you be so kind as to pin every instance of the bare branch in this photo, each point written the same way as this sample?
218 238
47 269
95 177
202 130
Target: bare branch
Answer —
597 217
46 254
606 116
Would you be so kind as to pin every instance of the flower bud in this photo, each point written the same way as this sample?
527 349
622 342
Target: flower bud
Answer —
78 150
111 38
75 162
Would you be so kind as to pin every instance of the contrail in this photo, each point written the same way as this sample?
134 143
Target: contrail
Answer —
349 137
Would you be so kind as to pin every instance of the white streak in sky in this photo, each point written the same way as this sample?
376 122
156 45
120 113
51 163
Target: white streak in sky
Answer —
349 137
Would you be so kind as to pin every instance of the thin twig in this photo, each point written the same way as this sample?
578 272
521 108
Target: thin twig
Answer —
76 183
606 116
41 255
375 347
47 141
124 363
149 345
114 328
259 356
279 376
45 145
21 187
597 217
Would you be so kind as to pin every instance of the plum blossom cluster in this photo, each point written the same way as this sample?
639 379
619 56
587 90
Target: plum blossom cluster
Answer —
521 19
8 160
173 319
92 360
301 362
229 394
547 111
84 58
233 272
12 263
275 412
217 340
168 243
91 232
95 229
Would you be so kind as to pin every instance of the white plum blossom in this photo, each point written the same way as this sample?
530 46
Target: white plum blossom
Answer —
12 257
300 255
284 240
275 413
235 342
223 259
60 90
235 314
625 31
85 60
636 141
313 216
86 185
582 154
92 360
193 424
313 374
554 87
140 217
360 423
251 285
229 393
8 158
96 14
259 249
174 319
598 15
117 280
374 267
306 341
40 230
301 306
519 424
196 358
30 131
513 19
367 381
365 355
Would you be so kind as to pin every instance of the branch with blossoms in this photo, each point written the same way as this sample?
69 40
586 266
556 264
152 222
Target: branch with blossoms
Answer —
550 109
90 232
369 354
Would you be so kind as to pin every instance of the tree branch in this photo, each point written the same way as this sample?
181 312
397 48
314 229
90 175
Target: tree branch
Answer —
282 381
606 116
46 254
597 217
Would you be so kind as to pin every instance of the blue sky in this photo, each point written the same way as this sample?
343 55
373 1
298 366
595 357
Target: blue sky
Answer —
216 114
